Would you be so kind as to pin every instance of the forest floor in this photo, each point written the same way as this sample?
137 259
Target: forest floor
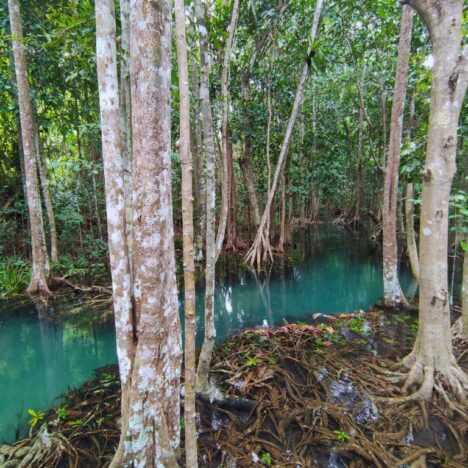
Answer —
298 395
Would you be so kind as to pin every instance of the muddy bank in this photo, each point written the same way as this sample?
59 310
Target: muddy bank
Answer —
296 395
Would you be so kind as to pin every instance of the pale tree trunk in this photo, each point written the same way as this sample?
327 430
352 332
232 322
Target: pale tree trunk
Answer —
410 231
393 295
126 117
411 243
42 166
115 197
150 364
210 161
188 247
261 249
432 361
40 260
226 190
197 154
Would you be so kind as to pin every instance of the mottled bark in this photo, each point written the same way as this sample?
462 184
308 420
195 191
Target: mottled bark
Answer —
432 356
40 260
393 295
226 189
126 117
42 166
210 161
187 234
115 199
150 369
261 249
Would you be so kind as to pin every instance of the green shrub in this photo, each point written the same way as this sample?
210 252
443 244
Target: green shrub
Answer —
15 274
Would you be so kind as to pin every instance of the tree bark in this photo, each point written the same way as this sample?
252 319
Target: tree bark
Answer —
261 250
210 161
40 260
432 356
199 179
126 117
231 239
188 246
42 166
393 295
150 352
226 189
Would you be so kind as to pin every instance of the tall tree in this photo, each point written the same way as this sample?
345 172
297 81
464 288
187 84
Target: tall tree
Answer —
393 295
225 147
188 246
432 356
261 247
40 259
210 161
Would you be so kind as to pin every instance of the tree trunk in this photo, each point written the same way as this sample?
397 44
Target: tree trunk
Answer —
261 248
42 165
231 240
126 118
199 179
115 199
245 162
40 260
226 189
432 356
188 247
150 352
393 295
410 232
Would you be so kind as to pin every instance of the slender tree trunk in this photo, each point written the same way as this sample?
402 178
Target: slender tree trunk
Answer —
126 118
231 240
40 260
245 162
199 179
210 160
42 166
432 356
115 201
261 248
188 246
410 231
393 295
226 190
460 327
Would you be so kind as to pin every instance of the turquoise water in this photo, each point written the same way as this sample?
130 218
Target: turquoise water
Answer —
325 271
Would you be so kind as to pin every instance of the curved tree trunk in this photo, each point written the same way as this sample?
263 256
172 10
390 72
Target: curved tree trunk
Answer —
40 260
393 295
188 246
432 356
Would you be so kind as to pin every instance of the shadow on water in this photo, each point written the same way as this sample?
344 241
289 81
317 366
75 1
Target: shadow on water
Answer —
48 348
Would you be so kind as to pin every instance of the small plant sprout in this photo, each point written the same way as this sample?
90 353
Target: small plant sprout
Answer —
342 436
252 361
62 413
266 458
36 417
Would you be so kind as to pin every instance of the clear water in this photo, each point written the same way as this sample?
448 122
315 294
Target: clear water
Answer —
325 271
